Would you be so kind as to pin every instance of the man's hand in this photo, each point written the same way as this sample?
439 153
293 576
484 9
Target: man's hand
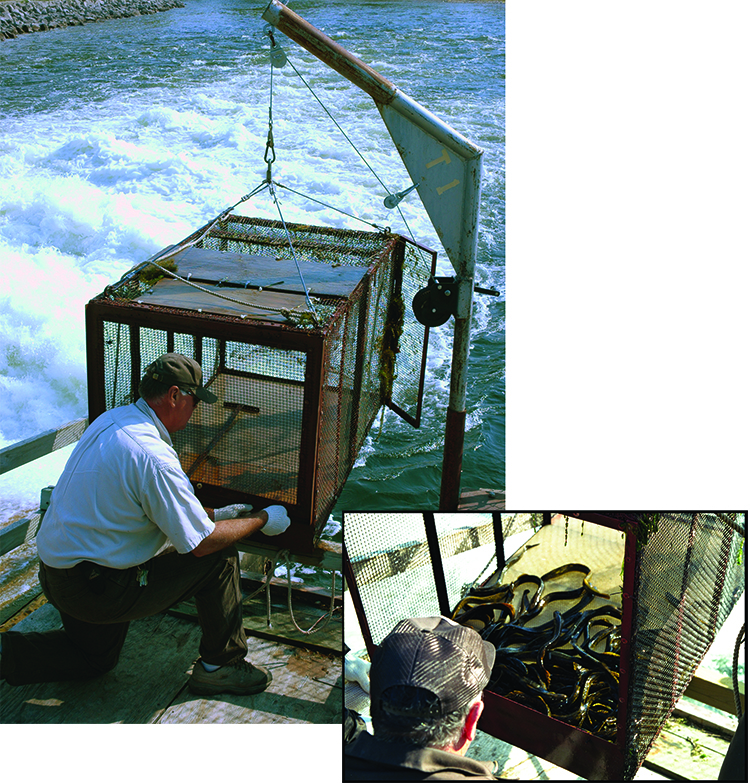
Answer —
278 521
357 670
232 512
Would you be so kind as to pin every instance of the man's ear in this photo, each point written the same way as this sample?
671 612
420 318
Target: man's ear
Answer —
470 727
469 731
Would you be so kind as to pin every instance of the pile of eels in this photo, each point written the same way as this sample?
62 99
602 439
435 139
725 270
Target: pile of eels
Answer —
564 664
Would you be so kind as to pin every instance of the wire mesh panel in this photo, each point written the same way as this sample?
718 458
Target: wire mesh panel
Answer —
689 576
258 415
297 391
467 549
338 408
393 565
645 596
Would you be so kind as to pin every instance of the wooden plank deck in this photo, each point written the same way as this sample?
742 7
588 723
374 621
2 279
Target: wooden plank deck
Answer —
149 683
482 500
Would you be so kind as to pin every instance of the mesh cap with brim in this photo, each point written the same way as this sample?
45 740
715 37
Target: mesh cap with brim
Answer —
450 661
174 369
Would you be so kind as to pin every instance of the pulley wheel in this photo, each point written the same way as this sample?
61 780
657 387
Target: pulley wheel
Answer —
434 305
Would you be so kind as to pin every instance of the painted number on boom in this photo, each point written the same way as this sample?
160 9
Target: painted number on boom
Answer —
444 158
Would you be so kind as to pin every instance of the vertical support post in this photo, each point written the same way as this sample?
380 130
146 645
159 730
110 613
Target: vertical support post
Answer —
437 563
464 262
364 311
95 363
455 422
222 355
308 483
198 349
135 359
497 528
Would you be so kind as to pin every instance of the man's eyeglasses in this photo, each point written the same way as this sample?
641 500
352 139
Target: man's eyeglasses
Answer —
191 394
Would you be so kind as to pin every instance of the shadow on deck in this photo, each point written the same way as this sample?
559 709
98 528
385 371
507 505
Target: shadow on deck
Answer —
149 683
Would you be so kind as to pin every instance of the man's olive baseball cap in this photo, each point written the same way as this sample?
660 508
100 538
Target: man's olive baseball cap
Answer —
174 369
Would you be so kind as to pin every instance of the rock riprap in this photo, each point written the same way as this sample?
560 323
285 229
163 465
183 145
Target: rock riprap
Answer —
35 16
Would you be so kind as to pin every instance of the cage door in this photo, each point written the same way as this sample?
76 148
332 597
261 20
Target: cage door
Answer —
407 373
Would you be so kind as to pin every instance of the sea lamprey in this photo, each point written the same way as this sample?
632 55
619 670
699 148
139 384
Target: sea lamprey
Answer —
556 653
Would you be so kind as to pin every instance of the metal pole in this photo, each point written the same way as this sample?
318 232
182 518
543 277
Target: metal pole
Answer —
436 558
497 527
359 608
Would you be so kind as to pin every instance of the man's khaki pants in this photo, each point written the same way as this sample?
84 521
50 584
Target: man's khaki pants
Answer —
98 603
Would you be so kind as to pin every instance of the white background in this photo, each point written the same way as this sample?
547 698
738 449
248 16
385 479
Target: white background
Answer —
627 217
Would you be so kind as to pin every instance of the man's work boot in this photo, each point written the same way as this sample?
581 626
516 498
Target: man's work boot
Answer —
240 677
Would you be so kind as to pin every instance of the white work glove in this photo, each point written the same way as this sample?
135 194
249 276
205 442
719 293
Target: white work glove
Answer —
278 521
232 512
357 670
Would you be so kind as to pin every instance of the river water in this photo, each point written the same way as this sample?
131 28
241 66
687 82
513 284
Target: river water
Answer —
122 137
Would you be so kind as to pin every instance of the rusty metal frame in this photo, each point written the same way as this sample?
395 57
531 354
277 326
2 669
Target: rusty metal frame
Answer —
226 328
568 746
298 537
416 419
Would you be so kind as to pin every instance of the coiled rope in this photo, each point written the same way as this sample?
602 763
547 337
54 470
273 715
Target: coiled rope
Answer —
266 585
312 629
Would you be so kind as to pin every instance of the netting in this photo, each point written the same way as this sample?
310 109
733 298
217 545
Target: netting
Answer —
249 441
296 395
394 570
554 615
689 576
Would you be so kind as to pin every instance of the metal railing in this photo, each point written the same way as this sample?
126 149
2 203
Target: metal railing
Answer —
15 456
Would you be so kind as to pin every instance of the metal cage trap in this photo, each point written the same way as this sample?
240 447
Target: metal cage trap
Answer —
599 620
297 391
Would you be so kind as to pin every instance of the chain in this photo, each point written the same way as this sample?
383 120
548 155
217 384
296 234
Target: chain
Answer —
269 156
